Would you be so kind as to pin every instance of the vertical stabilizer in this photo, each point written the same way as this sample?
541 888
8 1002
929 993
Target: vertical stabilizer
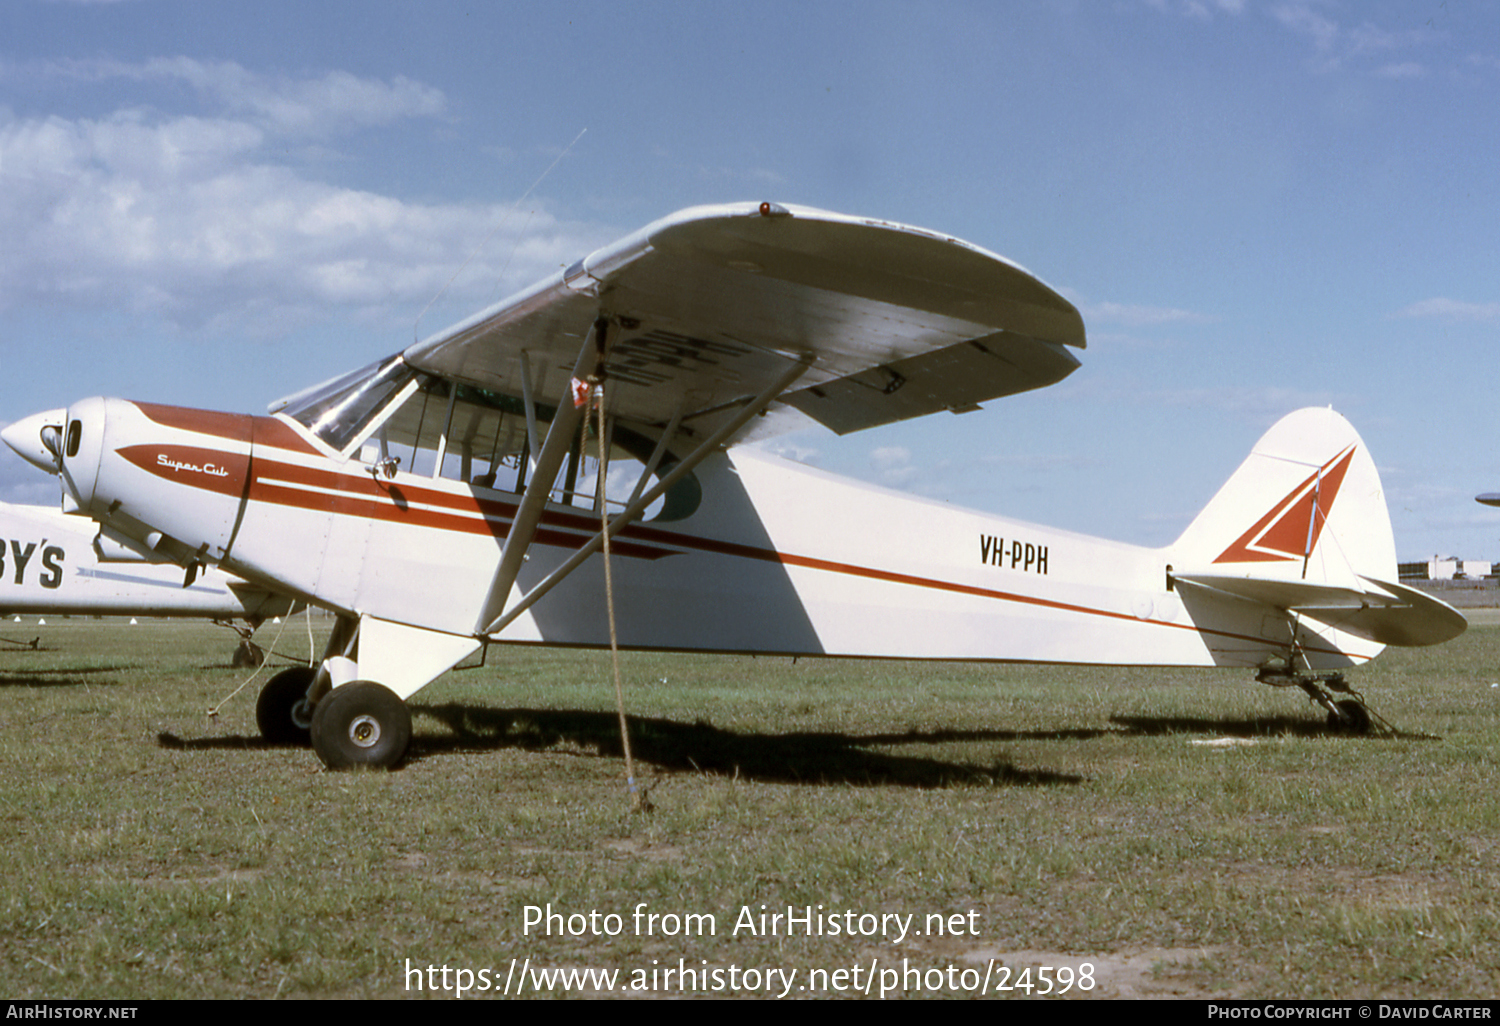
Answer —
1306 505
1301 532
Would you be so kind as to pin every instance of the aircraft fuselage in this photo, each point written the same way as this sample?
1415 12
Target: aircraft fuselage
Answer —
775 557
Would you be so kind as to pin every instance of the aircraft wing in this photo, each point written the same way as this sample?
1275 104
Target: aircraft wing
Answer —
712 304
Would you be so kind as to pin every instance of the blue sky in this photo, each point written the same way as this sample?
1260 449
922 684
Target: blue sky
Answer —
1257 205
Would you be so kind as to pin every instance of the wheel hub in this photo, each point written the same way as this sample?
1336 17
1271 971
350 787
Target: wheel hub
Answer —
361 724
364 731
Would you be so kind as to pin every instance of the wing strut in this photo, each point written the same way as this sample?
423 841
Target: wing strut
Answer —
641 502
656 455
548 463
528 400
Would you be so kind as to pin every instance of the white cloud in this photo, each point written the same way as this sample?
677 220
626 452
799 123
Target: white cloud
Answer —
332 103
1303 20
1137 315
1338 46
893 465
193 218
1199 10
1040 463
1367 39
796 450
1256 405
1442 308
890 456
1406 69
1132 315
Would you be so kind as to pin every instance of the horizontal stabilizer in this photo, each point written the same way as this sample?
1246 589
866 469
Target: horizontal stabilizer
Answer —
1388 614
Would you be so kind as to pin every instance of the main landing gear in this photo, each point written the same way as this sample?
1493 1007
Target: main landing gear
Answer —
359 725
282 712
362 725
1345 715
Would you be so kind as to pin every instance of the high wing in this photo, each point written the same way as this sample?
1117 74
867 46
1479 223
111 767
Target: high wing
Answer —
715 303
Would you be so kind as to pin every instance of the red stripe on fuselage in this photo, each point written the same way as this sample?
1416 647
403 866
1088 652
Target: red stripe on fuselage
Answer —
344 494
238 427
212 470
363 495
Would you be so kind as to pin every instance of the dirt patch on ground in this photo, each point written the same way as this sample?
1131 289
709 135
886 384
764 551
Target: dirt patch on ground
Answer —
650 852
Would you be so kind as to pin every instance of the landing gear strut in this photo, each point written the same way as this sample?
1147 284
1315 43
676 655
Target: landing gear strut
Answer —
1345 715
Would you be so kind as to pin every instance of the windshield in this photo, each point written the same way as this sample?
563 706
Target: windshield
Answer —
341 411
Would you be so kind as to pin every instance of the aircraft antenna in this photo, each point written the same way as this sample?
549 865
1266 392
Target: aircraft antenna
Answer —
1312 523
416 329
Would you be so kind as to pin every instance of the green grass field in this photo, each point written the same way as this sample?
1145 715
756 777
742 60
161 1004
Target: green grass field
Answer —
1139 832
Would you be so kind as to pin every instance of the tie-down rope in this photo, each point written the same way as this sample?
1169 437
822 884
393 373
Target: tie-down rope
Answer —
638 802
213 710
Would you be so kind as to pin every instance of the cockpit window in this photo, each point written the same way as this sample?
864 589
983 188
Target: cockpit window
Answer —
342 410
408 422
442 429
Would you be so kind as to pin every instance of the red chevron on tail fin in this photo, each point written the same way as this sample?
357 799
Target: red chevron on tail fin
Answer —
1291 529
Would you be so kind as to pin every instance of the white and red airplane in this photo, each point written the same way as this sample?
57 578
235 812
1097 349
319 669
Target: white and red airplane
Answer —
54 563
439 500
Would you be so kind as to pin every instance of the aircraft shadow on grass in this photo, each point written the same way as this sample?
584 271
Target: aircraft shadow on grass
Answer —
1244 727
70 677
812 757
825 757
1253 727
18 645
822 757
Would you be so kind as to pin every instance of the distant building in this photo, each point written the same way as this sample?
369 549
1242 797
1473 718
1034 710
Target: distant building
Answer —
1450 568
1442 569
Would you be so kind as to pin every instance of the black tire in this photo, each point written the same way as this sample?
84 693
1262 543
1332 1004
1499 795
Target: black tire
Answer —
362 725
1351 718
248 655
281 711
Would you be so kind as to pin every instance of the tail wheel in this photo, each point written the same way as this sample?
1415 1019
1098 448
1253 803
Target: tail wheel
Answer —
281 712
1349 717
362 724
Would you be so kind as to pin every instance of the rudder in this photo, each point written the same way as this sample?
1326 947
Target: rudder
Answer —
1306 505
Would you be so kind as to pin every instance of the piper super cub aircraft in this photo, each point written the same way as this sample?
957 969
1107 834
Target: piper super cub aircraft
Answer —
438 500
